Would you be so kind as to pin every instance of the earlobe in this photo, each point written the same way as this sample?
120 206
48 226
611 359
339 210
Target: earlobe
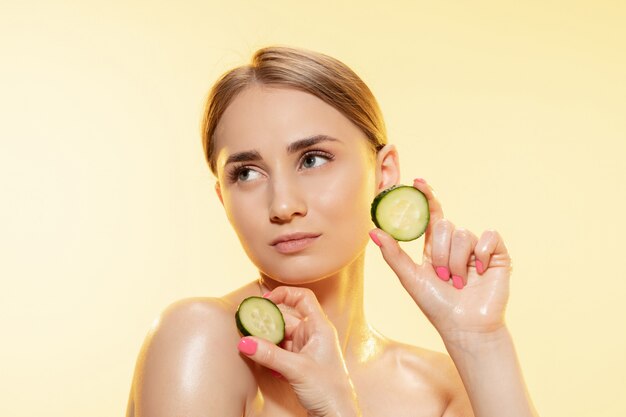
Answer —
218 190
387 167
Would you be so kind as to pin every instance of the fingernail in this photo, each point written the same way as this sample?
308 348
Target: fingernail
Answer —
443 273
375 239
266 294
276 374
420 180
457 282
479 267
247 346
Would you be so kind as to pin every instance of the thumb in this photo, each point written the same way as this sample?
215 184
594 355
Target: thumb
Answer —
269 355
399 261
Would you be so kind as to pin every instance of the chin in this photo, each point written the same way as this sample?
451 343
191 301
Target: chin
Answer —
298 272
306 269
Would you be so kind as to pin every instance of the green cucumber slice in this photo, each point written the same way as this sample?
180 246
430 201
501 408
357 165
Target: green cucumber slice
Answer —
258 316
402 211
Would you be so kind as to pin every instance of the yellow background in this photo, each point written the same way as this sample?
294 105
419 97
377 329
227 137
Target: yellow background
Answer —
515 112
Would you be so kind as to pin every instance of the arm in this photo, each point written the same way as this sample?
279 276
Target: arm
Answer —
188 366
491 374
462 287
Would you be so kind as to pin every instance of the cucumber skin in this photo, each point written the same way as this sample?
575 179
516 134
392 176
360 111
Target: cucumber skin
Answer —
240 325
377 200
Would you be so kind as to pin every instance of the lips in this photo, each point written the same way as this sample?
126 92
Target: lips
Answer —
293 236
294 242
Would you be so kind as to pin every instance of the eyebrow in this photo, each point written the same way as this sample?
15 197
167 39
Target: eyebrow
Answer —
254 155
308 142
245 156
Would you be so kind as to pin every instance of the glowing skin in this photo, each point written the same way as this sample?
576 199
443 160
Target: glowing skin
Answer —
322 189
296 179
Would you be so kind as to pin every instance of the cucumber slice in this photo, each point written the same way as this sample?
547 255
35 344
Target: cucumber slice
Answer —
258 316
402 211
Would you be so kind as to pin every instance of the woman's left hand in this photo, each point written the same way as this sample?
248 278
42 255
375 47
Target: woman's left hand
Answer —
462 285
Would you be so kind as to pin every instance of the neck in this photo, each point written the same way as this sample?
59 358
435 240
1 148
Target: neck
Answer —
341 298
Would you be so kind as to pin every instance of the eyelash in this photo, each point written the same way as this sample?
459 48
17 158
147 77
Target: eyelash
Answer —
235 171
323 154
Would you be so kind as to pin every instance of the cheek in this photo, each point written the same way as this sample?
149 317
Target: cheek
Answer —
346 197
242 218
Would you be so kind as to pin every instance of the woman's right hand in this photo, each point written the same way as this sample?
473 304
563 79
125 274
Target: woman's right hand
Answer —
310 358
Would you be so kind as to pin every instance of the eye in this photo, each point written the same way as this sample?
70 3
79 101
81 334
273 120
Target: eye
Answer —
315 159
247 174
243 174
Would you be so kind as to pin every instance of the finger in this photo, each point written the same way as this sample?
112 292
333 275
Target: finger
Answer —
291 324
287 344
441 241
299 301
435 212
298 305
399 261
461 249
271 356
489 244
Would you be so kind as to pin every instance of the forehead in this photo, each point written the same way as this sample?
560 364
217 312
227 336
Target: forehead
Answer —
268 117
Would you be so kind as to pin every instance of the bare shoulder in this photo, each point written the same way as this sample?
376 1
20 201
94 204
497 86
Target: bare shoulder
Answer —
189 364
437 366
433 375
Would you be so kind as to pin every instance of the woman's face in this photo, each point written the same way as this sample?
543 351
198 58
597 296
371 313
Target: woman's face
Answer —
296 179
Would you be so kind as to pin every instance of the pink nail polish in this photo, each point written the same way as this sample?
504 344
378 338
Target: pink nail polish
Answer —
443 273
457 282
420 180
375 239
266 294
479 267
247 346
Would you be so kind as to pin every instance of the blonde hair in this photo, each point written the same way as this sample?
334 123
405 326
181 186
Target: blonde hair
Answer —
321 75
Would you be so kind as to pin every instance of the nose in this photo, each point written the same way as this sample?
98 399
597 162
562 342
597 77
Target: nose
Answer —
286 201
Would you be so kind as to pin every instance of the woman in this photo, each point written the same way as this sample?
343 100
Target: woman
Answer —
298 146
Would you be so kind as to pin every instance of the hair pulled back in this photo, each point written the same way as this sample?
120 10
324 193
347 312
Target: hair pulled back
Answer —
321 75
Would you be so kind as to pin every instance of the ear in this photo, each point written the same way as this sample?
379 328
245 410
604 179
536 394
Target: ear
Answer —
218 190
387 168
